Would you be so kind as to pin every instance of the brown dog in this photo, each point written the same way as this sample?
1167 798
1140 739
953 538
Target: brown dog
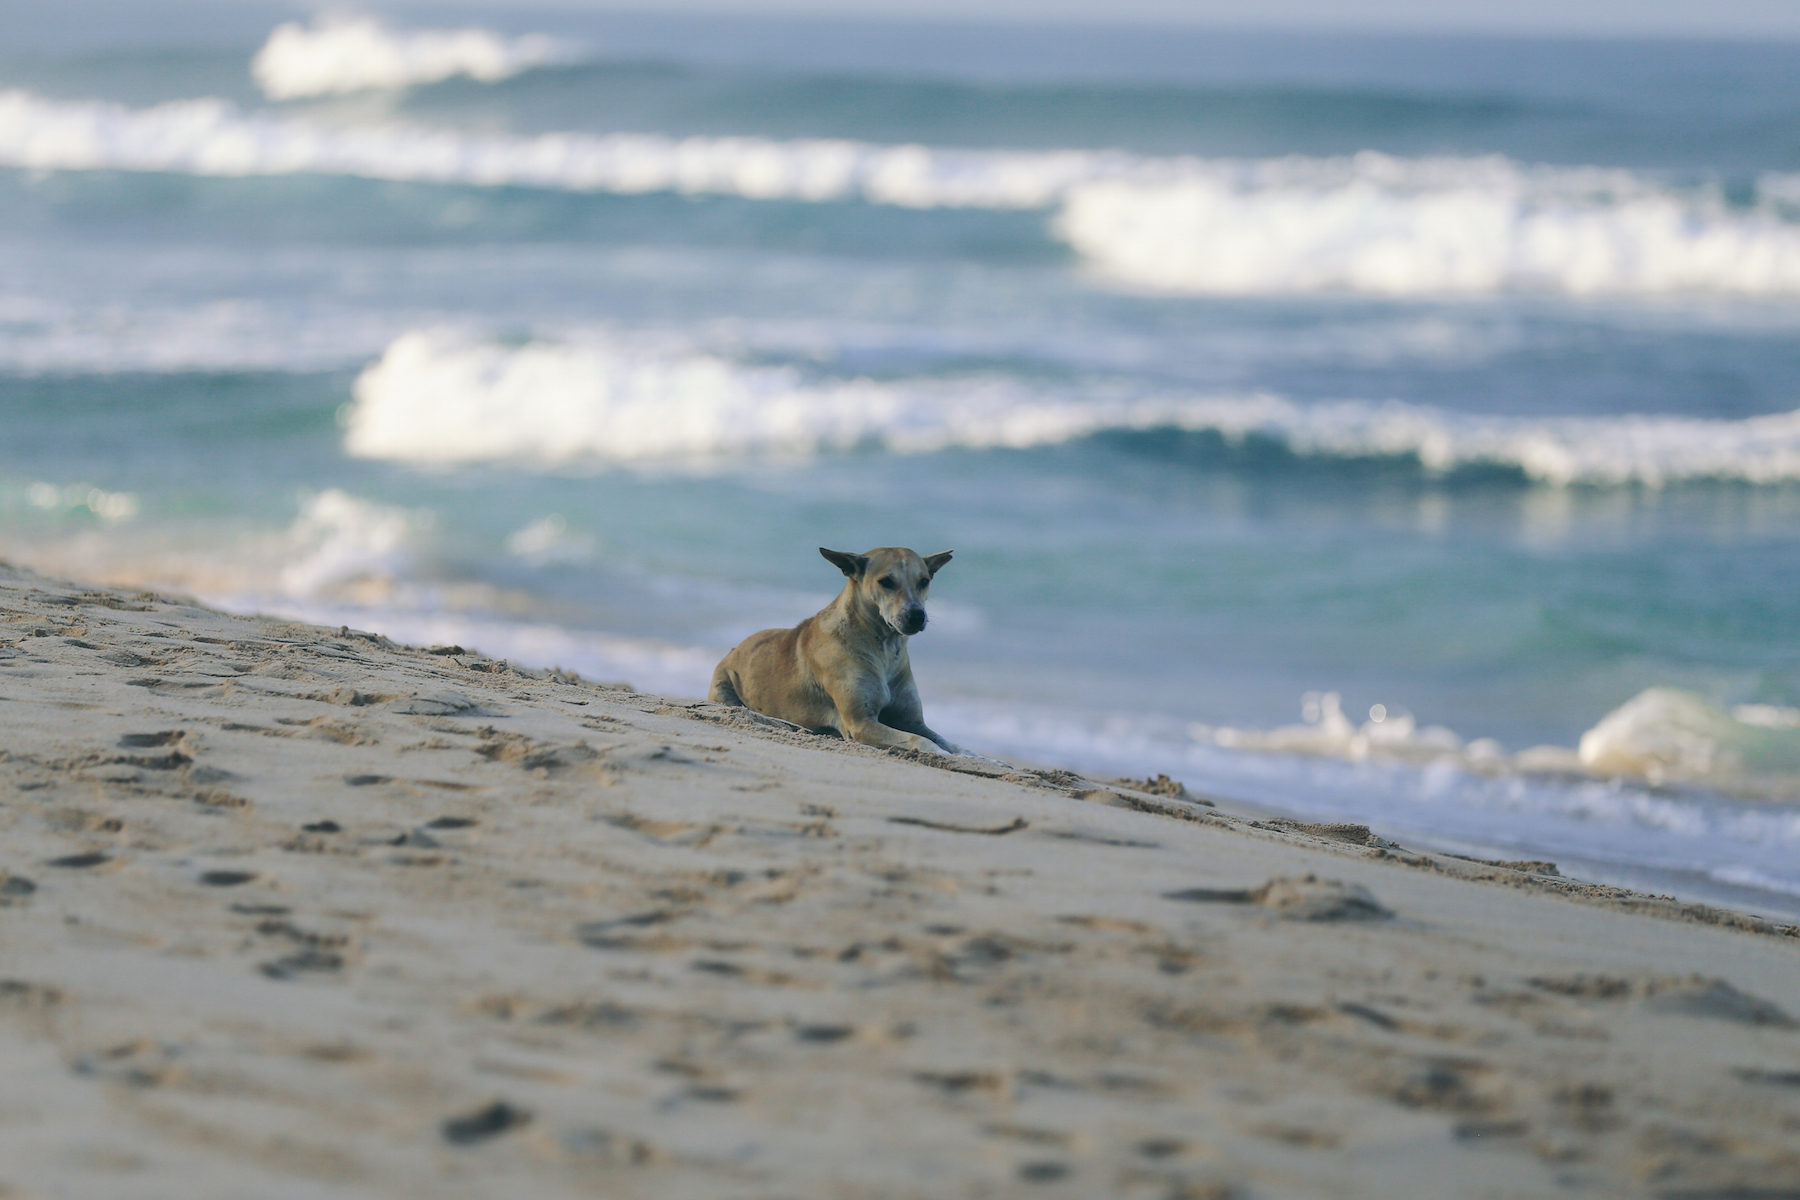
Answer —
845 669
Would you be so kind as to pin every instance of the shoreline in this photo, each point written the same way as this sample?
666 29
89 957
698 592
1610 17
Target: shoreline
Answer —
1688 884
294 911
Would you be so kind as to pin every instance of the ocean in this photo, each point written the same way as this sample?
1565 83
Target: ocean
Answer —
1383 429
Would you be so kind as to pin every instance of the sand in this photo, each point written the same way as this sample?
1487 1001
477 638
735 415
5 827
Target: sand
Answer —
291 911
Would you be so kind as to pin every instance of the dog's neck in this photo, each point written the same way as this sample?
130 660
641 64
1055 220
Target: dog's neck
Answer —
853 609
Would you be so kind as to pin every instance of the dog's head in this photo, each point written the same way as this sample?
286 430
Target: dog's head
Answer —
891 580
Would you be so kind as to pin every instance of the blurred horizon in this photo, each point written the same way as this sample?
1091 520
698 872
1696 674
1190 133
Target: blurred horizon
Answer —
26 25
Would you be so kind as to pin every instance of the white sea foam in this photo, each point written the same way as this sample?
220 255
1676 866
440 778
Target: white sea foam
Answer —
1473 797
212 137
1377 224
1666 735
1328 733
437 397
1662 736
444 397
1366 223
352 54
345 545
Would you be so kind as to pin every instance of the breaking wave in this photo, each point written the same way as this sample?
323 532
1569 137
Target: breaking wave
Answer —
213 137
1365 223
1664 735
352 54
1375 224
439 397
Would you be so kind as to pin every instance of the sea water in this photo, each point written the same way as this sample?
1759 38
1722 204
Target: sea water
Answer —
1395 430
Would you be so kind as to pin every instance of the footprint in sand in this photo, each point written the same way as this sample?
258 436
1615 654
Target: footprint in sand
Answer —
317 953
140 741
290 966
81 861
482 1124
1773 1078
1688 996
824 1034
1714 998
226 878
435 704
678 833
1012 826
350 697
613 935
612 1149
1307 898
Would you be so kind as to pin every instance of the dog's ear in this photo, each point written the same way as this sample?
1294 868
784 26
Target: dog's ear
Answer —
852 565
935 562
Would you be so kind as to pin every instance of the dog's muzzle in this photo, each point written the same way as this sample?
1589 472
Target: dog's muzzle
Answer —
913 622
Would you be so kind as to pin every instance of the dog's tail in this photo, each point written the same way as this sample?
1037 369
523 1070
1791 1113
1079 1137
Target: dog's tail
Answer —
722 690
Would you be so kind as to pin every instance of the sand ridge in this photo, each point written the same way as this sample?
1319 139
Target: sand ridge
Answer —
289 911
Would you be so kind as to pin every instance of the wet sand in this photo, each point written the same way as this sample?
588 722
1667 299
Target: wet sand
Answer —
297 912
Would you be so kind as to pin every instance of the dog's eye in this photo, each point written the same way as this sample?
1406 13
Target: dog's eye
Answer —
888 583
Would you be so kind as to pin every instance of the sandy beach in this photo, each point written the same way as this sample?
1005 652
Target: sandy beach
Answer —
294 912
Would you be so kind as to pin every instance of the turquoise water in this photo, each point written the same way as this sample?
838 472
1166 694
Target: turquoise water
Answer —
1395 430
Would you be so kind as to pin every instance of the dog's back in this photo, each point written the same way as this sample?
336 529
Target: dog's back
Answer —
767 672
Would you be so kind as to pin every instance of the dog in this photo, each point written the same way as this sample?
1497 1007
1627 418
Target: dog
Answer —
845 670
